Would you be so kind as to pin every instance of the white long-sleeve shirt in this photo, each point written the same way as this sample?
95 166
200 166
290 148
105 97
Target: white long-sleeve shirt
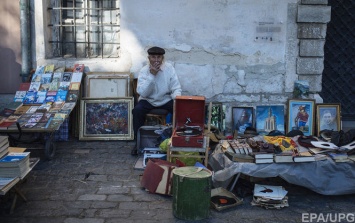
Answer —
160 88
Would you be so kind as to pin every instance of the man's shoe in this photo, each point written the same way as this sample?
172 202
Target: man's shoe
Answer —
134 152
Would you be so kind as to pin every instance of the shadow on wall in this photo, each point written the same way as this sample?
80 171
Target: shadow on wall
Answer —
9 71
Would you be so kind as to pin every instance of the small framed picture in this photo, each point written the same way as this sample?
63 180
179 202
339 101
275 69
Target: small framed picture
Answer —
328 117
106 119
243 117
217 115
270 118
301 115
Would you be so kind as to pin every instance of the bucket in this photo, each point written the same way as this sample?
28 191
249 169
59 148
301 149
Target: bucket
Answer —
191 192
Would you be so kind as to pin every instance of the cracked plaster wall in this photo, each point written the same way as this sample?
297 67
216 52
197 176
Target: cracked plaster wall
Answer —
208 42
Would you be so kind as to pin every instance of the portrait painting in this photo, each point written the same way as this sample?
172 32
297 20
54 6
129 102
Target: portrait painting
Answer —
243 117
270 118
106 119
328 117
301 116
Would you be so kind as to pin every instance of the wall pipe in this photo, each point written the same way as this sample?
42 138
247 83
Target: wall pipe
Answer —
25 39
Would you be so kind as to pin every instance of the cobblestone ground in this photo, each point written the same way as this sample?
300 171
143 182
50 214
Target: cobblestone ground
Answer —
96 182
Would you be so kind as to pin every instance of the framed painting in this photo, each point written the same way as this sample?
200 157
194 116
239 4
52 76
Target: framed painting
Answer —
107 85
106 119
243 117
270 118
328 117
217 115
301 115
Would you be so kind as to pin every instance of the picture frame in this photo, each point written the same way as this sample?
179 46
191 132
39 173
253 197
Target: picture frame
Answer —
107 85
270 118
242 118
328 117
301 115
106 119
217 115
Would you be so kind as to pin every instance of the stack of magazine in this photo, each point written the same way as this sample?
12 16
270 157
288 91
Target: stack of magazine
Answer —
15 165
269 197
4 145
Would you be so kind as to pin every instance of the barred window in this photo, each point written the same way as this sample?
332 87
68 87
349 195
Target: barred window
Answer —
84 28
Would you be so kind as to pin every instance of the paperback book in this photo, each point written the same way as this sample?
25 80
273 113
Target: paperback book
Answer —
46 78
57 77
61 96
34 86
51 96
64 86
67 76
76 77
54 86
40 97
72 95
22 110
19 96
79 68
30 97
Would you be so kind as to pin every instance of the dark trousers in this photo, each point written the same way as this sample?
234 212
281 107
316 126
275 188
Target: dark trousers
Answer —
142 108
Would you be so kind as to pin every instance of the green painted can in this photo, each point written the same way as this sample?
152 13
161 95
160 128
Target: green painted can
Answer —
191 193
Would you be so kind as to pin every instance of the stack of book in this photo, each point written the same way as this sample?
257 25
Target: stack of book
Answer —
269 197
339 157
15 165
4 145
260 157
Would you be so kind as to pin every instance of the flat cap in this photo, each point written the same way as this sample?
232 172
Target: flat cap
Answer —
156 51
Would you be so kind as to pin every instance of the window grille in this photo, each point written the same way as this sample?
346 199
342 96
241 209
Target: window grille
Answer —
84 28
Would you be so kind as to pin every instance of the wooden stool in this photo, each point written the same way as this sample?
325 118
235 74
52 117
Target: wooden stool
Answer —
158 115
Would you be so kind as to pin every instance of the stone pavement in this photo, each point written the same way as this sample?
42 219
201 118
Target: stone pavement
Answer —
95 182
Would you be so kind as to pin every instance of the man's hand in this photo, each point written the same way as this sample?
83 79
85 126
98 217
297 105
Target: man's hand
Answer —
155 68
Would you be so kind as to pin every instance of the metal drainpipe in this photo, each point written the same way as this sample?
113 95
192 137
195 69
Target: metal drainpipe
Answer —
25 39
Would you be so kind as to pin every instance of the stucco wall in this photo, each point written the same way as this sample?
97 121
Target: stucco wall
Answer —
210 44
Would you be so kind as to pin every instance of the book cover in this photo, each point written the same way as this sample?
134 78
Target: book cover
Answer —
29 125
24 118
68 106
56 106
41 125
60 116
64 86
74 86
54 123
49 68
44 87
13 105
30 97
46 78
35 117
44 107
7 112
61 96
14 157
32 109
79 68
36 77
12 118
40 97
76 77
22 110
57 77
24 86
46 116
40 69
34 86
72 95
51 96
262 155
54 86
67 76
19 96
4 125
